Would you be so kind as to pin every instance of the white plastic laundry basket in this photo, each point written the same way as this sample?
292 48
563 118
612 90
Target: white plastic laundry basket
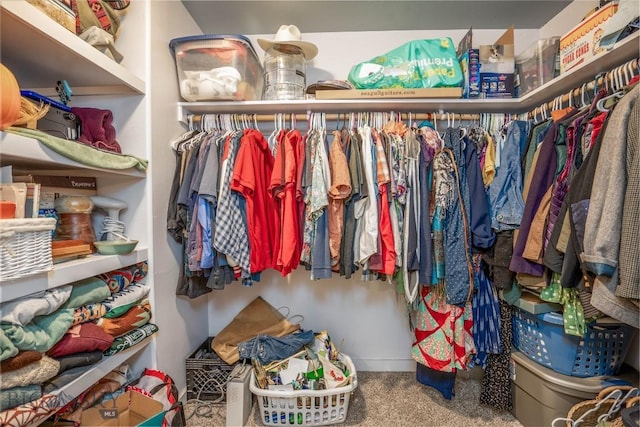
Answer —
305 407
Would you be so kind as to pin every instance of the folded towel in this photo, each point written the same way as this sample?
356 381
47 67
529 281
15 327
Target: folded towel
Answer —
82 153
35 373
20 360
97 128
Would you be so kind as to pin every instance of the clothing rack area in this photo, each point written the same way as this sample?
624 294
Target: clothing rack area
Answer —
426 202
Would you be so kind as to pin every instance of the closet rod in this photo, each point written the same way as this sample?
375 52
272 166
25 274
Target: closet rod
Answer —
197 118
600 81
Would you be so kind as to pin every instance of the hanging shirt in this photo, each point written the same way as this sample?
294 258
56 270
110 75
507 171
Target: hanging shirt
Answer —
251 175
368 243
340 190
231 236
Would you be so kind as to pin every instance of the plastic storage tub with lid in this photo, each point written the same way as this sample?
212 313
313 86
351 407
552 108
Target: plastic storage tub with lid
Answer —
217 67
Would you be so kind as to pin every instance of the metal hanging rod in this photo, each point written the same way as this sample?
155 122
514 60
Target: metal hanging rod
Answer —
613 80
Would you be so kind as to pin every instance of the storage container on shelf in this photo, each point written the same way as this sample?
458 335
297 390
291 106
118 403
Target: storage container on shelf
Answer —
541 395
306 407
537 65
214 67
542 338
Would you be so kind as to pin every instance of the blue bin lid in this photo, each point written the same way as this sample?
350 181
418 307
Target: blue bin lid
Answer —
178 41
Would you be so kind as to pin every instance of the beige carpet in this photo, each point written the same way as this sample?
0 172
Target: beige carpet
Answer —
392 399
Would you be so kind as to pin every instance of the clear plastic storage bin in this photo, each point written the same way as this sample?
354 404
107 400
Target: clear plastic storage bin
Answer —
217 68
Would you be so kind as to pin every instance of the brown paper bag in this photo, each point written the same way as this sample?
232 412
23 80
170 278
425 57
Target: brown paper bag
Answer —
259 317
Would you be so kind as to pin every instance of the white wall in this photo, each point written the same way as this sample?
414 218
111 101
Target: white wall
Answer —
182 323
370 316
568 18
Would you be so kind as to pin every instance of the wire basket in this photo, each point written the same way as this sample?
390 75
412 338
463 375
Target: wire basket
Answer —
600 352
305 407
25 247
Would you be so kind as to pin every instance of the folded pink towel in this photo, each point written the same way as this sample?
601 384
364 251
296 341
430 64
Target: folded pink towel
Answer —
97 128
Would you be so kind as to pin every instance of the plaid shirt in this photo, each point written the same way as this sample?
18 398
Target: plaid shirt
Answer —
231 236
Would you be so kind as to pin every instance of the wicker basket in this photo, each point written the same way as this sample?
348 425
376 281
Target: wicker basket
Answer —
605 407
25 247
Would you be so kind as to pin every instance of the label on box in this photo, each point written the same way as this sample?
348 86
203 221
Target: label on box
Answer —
470 65
582 42
494 85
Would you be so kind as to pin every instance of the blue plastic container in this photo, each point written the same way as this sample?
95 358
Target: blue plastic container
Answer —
600 352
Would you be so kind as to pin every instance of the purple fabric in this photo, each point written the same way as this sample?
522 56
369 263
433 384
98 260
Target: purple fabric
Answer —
543 176
97 128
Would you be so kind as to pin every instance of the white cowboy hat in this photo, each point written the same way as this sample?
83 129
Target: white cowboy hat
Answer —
290 35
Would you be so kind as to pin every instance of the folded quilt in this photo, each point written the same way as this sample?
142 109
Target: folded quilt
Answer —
41 333
20 360
131 338
35 373
87 291
22 310
83 153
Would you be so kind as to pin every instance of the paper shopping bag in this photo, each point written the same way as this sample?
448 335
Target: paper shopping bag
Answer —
259 317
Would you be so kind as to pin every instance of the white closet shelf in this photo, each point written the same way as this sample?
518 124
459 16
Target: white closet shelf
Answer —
69 271
22 151
72 390
55 53
625 50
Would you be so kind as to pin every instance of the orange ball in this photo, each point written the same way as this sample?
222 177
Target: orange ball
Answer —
9 98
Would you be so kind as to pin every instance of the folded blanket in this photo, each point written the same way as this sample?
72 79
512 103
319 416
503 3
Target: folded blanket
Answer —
131 294
35 373
80 339
7 348
64 378
136 316
41 333
75 360
20 360
87 291
132 338
117 280
12 397
88 312
22 310
83 153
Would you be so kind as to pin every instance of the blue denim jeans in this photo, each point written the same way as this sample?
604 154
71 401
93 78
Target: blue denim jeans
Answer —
505 192
266 348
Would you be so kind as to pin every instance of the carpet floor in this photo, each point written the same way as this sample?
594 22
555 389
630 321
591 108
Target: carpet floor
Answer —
389 399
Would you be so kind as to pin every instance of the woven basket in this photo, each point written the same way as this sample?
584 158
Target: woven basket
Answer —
25 247
589 411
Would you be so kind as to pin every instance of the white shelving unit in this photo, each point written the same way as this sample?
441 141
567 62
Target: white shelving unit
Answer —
69 271
626 50
44 51
39 52
60 397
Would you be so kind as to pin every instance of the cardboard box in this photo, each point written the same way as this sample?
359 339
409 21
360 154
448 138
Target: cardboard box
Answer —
497 67
129 409
582 42
52 187
438 92
469 59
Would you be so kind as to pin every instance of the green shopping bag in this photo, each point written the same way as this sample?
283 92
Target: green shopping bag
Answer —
427 63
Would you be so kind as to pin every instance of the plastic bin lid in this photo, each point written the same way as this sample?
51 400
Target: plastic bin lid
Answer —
588 384
178 41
